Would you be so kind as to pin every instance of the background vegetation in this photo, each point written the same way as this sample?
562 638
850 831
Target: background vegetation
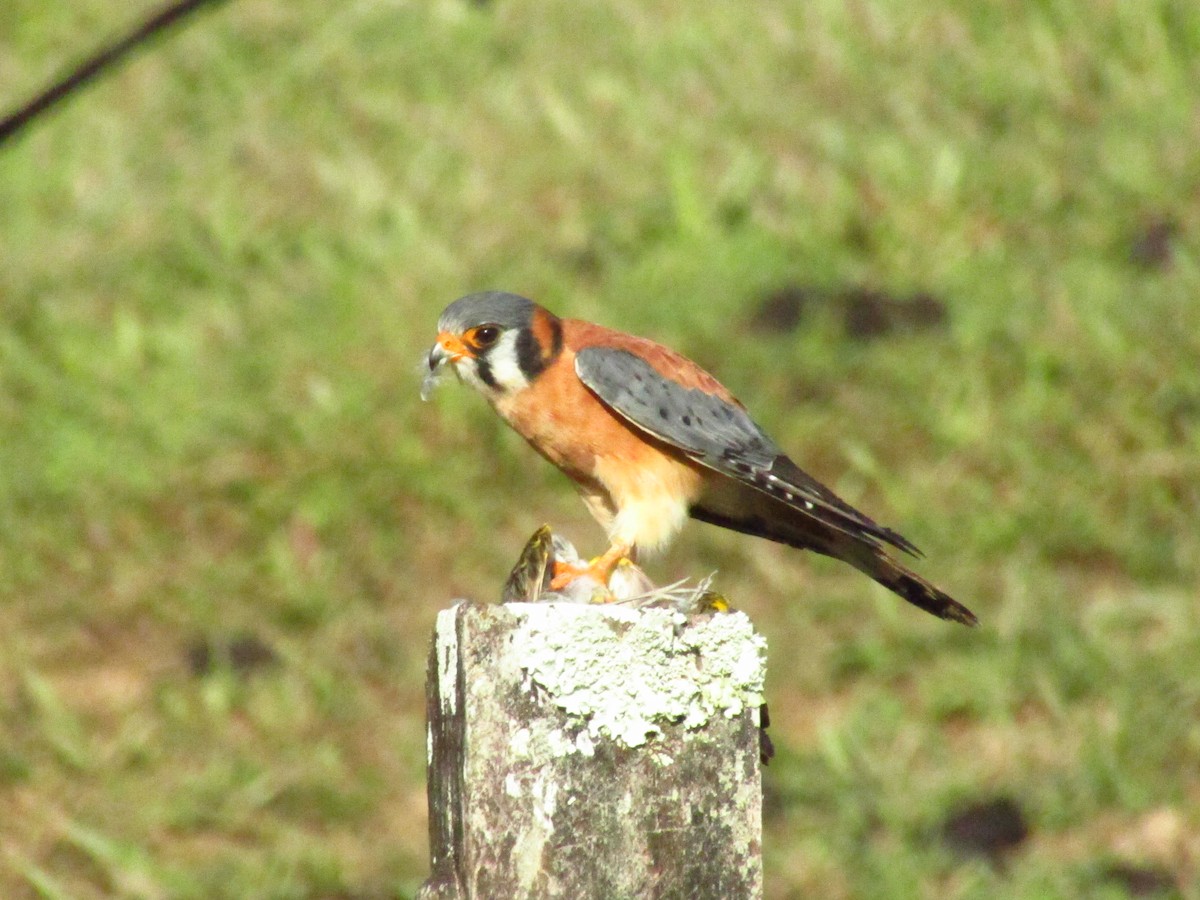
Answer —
946 251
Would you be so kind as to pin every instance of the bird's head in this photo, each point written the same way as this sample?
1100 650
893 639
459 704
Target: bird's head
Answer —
496 342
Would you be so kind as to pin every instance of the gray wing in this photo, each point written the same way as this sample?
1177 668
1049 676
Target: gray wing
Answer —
719 435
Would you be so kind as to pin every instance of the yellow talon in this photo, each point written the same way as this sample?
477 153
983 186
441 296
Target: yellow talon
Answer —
599 568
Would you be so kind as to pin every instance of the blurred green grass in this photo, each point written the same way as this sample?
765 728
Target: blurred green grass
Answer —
218 270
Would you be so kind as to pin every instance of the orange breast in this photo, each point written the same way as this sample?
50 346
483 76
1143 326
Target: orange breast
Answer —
637 487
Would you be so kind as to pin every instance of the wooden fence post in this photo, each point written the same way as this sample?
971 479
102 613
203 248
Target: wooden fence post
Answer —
594 751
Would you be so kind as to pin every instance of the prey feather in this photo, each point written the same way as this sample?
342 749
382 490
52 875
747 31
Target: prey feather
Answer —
433 377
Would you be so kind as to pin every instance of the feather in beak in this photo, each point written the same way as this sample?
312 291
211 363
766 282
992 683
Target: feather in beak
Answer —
449 348
437 360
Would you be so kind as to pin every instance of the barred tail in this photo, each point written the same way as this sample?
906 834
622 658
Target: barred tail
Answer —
912 587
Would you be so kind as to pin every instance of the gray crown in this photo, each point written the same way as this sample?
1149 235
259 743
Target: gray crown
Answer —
487 307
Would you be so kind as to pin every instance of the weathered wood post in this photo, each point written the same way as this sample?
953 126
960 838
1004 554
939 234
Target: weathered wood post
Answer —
594 751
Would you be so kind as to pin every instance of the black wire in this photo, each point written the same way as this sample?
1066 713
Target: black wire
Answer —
90 68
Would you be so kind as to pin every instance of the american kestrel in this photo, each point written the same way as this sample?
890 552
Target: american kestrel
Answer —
650 438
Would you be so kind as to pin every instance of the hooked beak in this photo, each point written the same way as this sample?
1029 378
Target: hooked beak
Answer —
448 348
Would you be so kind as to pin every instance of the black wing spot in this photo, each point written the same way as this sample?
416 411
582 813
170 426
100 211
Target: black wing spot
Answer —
662 413
699 421
687 420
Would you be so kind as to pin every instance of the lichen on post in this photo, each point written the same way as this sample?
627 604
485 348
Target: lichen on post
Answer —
594 751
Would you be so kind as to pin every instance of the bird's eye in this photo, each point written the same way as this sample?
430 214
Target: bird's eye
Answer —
485 335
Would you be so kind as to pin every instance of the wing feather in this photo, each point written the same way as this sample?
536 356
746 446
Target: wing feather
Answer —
719 434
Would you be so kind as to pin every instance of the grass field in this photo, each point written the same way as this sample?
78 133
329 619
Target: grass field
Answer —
946 252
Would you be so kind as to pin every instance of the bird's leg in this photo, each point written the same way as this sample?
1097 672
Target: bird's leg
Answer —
599 568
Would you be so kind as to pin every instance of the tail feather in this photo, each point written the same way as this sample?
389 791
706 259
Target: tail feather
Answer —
912 587
751 512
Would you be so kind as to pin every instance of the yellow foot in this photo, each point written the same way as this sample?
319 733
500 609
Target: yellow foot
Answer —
600 568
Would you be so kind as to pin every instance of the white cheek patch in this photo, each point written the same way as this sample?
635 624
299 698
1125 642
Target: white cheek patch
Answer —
501 362
506 370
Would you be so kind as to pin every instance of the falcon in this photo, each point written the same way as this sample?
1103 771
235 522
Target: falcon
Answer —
650 438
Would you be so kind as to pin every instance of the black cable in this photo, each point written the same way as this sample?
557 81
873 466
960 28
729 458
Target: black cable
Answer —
90 68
